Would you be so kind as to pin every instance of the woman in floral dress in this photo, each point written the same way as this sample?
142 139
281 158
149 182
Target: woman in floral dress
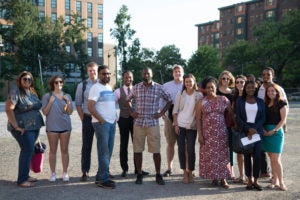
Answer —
212 134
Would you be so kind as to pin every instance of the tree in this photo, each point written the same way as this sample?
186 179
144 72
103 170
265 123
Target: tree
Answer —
122 33
204 62
165 59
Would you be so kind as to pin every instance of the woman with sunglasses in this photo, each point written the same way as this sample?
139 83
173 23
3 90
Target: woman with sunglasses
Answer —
226 88
24 122
57 107
238 92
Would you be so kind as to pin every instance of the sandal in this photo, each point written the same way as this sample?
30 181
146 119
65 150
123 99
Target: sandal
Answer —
31 179
224 184
238 180
282 187
26 184
257 187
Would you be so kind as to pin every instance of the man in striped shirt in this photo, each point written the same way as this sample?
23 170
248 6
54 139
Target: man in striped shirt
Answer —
147 95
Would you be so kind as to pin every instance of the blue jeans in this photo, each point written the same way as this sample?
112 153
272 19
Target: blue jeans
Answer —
105 134
26 143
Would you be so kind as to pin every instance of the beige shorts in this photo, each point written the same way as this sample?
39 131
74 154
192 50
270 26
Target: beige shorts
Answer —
169 131
153 138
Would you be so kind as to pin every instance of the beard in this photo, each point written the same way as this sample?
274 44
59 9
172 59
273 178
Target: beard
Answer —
105 80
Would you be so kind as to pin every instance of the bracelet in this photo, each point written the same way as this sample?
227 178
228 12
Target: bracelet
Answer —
274 130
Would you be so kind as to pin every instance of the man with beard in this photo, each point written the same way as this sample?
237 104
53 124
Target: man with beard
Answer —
268 75
147 95
125 121
101 104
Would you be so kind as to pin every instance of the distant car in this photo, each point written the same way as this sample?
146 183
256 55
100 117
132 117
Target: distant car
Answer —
295 96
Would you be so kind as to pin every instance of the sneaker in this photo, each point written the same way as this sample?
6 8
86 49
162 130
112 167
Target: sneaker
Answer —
107 185
84 177
139 179
167 173
124 174
52 177
65 177
159 179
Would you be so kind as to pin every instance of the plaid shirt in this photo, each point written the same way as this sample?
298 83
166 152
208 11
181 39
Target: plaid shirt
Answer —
147 102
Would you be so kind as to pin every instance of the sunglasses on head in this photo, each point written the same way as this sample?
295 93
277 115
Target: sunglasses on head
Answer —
56 82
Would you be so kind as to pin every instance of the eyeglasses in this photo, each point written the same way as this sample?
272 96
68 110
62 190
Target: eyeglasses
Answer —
225 79
239 82
27 79
56 82
106 74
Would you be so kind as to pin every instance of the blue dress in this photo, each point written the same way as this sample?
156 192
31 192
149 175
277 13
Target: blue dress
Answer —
273 143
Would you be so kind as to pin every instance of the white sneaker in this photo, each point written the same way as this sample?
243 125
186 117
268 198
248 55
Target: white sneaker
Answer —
52 177
65 177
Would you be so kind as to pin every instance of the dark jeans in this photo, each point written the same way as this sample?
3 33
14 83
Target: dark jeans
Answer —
26 143
253 169
125 127
264 163
87 143
186 140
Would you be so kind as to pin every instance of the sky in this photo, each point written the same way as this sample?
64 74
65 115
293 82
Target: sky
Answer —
164 22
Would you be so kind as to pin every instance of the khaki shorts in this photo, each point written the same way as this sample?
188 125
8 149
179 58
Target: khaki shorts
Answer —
153 138
169 131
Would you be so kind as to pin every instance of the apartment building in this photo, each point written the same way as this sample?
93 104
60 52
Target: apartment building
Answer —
236 21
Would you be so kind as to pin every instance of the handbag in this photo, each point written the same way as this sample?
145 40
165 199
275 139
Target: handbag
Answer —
237 145
36 163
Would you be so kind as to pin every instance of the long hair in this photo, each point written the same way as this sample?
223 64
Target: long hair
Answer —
19 83
195 87
236 91
231 78
52 80
278 97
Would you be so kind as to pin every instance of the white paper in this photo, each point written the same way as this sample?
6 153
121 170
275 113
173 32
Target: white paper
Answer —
246 141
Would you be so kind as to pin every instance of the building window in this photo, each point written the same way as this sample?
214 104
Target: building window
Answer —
100 23
100 52
68 48
78 6
217 35
89 36
53 4
239 20
67 5
41 2
89 22
68 19
239 31
270 2
90 51
240 8
41 15
89 7
270 14
53 17
100 9
100 38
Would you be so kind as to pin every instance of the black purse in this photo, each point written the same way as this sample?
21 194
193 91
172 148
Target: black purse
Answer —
237 145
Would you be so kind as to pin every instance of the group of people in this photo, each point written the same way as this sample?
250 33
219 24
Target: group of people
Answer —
209 111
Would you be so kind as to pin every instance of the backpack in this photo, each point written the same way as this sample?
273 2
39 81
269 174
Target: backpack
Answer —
84 83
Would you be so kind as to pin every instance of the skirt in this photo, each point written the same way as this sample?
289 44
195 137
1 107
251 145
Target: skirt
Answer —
273 143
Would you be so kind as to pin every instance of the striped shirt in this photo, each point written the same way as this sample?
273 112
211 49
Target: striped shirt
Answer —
147 102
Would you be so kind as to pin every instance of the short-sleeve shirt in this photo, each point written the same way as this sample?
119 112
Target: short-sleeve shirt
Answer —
273 115
147 102
57 119
27 110
79 101
105 102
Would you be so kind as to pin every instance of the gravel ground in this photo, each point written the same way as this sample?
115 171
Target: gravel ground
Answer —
126 188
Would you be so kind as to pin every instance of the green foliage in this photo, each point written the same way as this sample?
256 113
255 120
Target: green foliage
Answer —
123 34
204 62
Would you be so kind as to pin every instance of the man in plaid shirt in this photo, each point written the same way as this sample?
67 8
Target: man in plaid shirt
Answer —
146 114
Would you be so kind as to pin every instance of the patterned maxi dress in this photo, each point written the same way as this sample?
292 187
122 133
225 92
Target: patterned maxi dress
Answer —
214 154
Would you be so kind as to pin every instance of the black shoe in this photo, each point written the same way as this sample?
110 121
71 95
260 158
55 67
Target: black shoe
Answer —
159 179
85 177
111 176
144 173
167 173
257 187
139 179
107 185
124 174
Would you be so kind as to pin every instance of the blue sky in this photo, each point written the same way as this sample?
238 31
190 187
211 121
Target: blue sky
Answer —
164 22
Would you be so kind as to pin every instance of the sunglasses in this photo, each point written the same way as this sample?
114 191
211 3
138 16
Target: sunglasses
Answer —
57 82
239 82
105 74
225 79
27 79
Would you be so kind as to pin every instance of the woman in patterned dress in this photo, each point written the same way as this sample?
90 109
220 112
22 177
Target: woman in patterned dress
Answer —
212 134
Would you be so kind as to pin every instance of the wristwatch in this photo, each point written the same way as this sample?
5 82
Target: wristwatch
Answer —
274 130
